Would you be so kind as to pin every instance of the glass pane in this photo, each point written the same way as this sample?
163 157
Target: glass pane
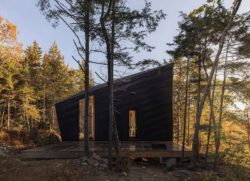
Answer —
132 123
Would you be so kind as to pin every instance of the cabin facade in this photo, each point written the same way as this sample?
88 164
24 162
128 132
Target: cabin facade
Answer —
143 109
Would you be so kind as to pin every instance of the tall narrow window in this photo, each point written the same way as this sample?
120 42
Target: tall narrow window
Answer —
132 123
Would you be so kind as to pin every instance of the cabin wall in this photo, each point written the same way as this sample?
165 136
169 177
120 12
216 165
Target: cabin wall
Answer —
68 119
149 93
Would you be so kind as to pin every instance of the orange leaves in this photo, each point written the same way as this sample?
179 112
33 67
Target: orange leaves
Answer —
8 33
11 28
10 48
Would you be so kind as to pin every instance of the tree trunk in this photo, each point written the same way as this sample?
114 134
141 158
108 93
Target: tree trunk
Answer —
86 82
53 116
197 122
211 116
235 9
26 113
44 105
188 123
218 127
248 126
248 130
8 112
178 126
115 131
185 110
211 105
2 116
111 84
103 19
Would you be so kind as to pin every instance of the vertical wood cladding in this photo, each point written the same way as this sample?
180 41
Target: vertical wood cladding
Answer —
149 93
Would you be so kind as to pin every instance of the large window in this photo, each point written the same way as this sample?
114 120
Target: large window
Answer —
132 123
91 118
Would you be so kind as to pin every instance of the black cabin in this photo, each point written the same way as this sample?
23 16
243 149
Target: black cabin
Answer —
143 109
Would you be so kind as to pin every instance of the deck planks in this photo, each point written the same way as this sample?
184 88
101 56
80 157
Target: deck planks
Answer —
70 150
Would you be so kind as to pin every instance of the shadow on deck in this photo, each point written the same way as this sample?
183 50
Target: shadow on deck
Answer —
69 150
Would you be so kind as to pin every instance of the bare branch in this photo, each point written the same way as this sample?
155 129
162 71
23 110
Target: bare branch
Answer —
78 38
79 63
100 77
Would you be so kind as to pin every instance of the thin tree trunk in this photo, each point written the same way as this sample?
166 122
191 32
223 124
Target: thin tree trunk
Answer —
2 116
111 107
195 148
26 113
219 126
211 105
178 126
115 131
53 116
248 126
8 112
86 82
197 123
103 19
188 123
248 131
185 110
44 105
212 116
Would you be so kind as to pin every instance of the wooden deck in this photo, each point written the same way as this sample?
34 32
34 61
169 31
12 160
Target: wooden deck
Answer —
68 150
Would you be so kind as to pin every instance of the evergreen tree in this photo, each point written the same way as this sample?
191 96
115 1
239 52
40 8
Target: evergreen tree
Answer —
33 59
56 81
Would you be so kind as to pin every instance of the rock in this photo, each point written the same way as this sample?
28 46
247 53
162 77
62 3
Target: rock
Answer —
3 151
171 178
84 163
96 157
103 166
25 164
171 163
124 174
93 162
105 161
183 175
186 173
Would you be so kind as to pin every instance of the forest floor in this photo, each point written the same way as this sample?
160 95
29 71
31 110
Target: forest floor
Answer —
13 168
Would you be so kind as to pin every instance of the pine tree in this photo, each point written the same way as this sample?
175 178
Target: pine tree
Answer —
56 81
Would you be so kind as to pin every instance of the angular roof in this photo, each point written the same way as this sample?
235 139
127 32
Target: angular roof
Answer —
120 80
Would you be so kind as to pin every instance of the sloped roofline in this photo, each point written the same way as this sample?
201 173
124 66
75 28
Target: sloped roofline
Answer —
99 86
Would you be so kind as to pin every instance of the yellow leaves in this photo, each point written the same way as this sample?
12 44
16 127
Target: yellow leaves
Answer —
8 33
10 49
200 10
11 28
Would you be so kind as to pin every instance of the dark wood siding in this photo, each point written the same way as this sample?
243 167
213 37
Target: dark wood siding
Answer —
149 93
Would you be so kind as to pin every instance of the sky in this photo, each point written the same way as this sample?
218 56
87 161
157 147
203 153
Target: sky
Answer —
32 25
